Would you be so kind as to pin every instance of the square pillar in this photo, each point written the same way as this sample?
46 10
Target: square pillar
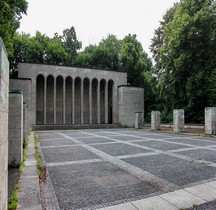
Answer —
15 127
139 120
98 102
178 120
90 102
155 120
210 120
25 121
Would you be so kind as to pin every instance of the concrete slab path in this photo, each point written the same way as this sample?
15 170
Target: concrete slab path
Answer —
127 169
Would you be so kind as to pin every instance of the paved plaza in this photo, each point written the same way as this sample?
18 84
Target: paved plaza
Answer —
91 169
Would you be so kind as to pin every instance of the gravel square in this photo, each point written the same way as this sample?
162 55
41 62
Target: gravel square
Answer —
94 140
119 149
160 145
172 169
193 142
201 154
56 142
54 155
126 138
85 185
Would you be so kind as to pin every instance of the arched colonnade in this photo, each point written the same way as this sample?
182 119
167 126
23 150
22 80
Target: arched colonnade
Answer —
70 100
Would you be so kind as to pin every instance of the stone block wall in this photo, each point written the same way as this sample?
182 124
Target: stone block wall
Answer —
130 101
210 120
4 85
15 128
25 86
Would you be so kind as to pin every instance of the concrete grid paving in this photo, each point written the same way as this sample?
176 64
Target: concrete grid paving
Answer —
124 168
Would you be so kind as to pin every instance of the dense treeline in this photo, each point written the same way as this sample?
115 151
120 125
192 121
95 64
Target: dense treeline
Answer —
183 48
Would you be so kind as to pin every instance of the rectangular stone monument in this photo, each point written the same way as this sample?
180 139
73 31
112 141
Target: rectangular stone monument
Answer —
130 101
210 120
178 120
139 120
155 120
15 127
4 86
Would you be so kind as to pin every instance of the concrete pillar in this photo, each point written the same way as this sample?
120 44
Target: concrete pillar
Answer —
15 127
210 120
106 103
4 86
64 94
90 102
81 100
98 102
54 100
73 101
45 99
155 120
25 121
178 120
138 120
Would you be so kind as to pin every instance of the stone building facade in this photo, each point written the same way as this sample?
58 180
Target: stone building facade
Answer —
60 95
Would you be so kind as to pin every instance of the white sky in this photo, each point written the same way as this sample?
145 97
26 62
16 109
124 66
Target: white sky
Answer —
95 19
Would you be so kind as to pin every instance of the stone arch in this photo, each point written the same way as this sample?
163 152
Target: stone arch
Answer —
110 101
86 106
94 100
40 81
102 101
50 100
59 100
77 102
68 100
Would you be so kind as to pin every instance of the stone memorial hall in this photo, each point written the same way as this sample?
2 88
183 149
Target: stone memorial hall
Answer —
61 95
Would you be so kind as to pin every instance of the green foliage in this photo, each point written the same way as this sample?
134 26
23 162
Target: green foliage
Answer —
59 50
10 14
186 57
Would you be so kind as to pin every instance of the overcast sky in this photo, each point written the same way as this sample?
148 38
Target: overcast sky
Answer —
95 19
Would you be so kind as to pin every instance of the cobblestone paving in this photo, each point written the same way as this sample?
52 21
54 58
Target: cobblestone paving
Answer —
90 169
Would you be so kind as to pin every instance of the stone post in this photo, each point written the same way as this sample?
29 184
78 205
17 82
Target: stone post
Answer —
138 120
178 120
25 121
210 120
98 102
90 102
155 120
15 127
4 86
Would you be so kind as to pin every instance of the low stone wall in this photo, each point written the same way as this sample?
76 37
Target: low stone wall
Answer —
15 127
4 85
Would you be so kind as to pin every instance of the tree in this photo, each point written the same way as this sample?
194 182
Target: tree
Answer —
71 44
133 60
10 14
188 57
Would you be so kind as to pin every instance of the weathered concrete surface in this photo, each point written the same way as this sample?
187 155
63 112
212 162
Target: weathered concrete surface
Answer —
155 120
178 120
210 120
15 128
4 86
116 166
130 101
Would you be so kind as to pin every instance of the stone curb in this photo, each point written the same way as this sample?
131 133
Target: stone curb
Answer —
29 192
179 199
